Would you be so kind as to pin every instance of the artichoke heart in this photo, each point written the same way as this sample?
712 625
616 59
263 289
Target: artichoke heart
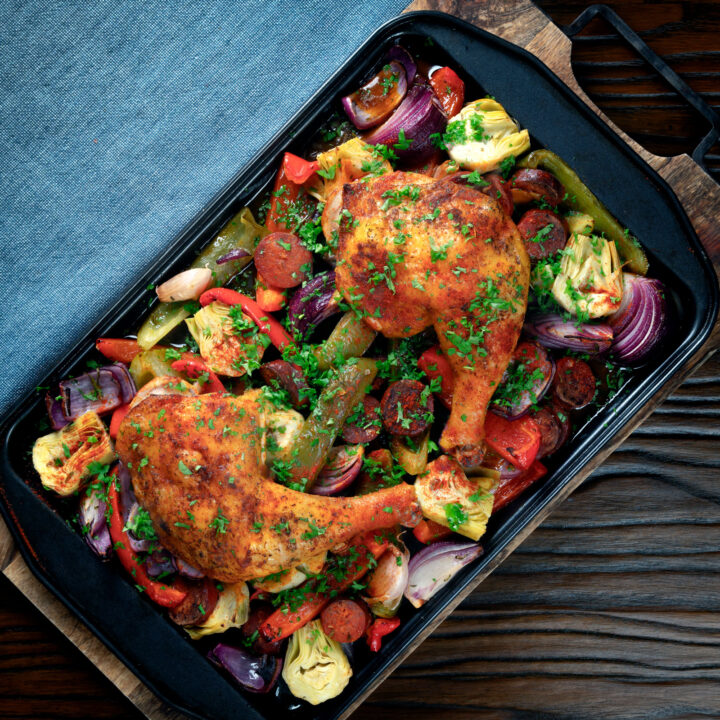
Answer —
447 496
316 667
63 458
345 163
282 427
224 350
590 283
231 611
482 135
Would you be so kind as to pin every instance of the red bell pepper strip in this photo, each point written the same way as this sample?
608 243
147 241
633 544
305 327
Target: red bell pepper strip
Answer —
435 365
285 194
267 324
268 297
518 441
449 89
118 349
298 170
377 631
158 592
428 531
284 621
510 488
117 417
194 369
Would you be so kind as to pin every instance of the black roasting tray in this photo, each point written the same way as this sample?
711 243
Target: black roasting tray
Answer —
103 597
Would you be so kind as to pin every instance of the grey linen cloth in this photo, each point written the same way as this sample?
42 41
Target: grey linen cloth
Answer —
120 121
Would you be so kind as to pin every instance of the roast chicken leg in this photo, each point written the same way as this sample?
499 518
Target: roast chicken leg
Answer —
197 466
413 252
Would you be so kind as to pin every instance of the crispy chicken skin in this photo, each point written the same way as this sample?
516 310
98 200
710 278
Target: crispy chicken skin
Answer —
415 251
197 466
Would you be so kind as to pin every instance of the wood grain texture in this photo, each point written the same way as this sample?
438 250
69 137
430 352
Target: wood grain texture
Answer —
608 609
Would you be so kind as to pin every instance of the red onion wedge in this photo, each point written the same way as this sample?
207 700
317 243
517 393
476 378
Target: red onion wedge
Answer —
58 419
160 562
101 390
641 320
375 101
553 331
525 380
311 304
188 570
418 116
342 467
435 565
94 523
254 674
401 55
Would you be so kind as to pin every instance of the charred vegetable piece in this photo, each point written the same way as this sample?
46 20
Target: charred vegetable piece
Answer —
228 340
409 130
197 605
345 620
289 377
517 441
482 135
449 89
283 260
325 422
407 408
316 667
574 384
350 338
579 197
509 488
150 364
250 631
641 320
230 611
311 304
450 498
240 232
118 349
434 566
528 184
553 331
411 452
339 472
543 232
254 674
525 381
364 423
63 459
376 100
388 581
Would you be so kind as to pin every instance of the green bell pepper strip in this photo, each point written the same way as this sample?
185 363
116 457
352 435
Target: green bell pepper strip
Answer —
351 337
240 232
337 400
579 197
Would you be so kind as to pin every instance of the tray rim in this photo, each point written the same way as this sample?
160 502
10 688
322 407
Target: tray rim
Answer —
220 202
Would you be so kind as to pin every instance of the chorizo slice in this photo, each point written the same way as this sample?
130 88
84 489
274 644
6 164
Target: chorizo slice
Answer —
550 430
364 423
197 605
407 408
574 383
283 260
290 378
528 184
543 232
345 620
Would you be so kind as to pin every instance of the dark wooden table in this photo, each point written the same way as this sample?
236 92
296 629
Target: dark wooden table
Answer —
610 609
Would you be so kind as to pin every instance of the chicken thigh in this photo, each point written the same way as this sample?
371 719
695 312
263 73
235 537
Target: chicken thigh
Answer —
197 466
413 252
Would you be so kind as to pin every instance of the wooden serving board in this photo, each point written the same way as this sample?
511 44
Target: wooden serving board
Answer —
524 24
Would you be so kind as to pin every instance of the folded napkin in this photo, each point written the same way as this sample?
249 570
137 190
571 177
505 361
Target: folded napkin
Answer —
120 121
